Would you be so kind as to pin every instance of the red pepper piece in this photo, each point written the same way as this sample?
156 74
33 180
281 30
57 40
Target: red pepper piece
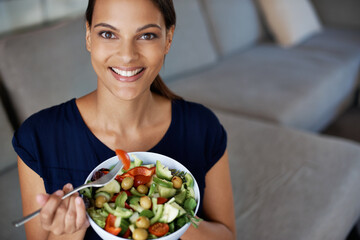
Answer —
110 225
161 200
142 171
141 180
121 177
127 233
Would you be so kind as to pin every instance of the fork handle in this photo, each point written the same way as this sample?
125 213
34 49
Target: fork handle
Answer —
23 220
27 218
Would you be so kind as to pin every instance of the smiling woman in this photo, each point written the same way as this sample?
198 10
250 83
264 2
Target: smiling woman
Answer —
131 109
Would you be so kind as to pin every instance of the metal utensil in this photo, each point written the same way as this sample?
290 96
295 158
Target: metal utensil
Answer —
98 183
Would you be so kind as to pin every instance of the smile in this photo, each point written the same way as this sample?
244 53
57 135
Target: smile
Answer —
127 73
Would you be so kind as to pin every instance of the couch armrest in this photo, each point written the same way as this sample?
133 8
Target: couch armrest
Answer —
339 13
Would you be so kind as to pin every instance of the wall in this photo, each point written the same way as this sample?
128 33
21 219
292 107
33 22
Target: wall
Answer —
17 14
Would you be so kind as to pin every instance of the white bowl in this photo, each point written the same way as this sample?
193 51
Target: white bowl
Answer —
147 158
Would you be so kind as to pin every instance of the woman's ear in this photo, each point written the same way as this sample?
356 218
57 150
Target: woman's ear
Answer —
169 38
88 37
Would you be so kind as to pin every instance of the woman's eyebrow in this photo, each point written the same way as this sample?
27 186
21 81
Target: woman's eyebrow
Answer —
148 26
137 30
106 25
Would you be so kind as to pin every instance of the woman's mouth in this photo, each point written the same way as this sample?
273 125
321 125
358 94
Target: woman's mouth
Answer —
128 75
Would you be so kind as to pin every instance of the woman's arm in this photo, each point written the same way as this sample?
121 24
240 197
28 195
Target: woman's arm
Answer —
57 216
218 206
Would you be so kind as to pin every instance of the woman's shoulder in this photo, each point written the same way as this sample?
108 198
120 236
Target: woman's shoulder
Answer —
195 112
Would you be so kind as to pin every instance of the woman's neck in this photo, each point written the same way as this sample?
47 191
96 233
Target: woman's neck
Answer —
122 115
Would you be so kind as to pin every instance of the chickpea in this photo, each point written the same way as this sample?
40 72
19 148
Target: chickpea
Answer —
177 182
127 183
142 222
140 234
99 201
142 189
145 202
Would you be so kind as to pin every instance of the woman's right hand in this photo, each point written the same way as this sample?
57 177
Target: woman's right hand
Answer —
62 216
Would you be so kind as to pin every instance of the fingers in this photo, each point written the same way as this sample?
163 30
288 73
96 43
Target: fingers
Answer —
70 218
47 213
62 216
81 219
42 199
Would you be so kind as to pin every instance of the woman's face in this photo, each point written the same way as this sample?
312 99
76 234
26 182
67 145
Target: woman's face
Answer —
128 42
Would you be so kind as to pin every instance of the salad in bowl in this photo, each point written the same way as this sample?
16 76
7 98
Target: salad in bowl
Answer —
155 198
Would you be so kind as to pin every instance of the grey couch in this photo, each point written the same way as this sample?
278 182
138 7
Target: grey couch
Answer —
289 180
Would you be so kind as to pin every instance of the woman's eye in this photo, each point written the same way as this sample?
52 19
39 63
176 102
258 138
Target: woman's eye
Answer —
107 35
148 36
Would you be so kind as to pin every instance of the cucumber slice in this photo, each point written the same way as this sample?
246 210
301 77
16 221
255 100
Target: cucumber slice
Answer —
136 192
163 182
134 217
108 208
105 194
189 180
112 187
152 189
181 210
162 171
169 214
180 197
147 213
122 212
166 192
159 212
124 224
137 161
121 199
149 165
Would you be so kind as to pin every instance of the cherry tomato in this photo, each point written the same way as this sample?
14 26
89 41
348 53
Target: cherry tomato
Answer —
141 180
159 229
124 158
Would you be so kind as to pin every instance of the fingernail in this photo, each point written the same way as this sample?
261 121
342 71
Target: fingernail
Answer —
78 200
69 186
59 193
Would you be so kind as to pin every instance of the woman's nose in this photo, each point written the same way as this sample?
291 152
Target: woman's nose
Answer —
127 51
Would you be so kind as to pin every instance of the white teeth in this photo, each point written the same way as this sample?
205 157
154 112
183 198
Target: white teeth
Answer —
126 73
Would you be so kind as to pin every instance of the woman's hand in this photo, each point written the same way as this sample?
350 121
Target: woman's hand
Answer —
62 216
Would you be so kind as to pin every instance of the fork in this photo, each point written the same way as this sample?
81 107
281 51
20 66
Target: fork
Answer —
98 183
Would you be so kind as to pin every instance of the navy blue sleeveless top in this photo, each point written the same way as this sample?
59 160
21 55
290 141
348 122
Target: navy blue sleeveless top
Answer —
57 144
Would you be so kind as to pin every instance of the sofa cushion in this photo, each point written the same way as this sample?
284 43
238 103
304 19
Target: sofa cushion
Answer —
45 67
191 47
235 24
300 87
8 156
290 21
289 184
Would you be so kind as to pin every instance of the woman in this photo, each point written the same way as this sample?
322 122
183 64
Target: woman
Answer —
131 109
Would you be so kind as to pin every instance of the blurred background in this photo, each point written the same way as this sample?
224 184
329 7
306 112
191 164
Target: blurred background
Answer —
23 16
19 14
